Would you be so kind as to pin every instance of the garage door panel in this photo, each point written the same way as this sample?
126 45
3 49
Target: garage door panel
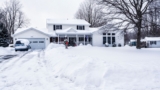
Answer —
37 43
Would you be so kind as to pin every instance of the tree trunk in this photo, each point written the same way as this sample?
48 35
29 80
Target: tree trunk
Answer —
138 46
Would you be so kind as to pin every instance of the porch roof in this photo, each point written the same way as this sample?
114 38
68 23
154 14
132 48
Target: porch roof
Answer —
72 31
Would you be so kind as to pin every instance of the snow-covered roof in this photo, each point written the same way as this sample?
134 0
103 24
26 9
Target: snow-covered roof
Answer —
152 38
67 21
43 31
132 40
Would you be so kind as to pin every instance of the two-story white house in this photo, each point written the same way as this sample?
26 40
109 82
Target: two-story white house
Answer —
74 30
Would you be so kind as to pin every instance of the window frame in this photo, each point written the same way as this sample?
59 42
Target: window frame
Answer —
80 27
57 27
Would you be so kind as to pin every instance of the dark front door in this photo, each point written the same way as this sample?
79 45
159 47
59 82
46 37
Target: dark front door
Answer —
72 41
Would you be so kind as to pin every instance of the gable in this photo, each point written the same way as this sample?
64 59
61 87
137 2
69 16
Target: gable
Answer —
30 31
71 30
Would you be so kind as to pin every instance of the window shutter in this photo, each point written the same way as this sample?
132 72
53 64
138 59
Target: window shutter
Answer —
54 27
61 26
83 28
77 27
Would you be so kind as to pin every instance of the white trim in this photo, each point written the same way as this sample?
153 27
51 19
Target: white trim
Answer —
29 29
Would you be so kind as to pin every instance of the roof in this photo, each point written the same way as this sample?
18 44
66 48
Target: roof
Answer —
66 21
43 31
152 38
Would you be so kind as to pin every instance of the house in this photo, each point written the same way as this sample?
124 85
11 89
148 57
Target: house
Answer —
150 42
75 30
153 42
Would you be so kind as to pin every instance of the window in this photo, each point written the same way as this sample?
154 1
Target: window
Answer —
80 28
153 42
113 40
109 34
81 38
104 33
55 27
35 41
41 41
109 40
104 40
113 33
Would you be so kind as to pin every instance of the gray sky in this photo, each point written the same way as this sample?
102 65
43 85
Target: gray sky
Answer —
39 10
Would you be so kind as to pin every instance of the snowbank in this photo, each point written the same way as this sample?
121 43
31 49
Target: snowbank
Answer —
98 68
83 68
6 51
53 45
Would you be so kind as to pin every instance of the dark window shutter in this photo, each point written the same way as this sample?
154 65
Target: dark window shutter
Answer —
83 28
54 27
77 27
61 26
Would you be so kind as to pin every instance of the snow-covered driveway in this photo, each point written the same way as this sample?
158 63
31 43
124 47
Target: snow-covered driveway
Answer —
83 68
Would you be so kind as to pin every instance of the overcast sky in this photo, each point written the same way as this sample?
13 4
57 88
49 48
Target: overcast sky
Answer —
40 10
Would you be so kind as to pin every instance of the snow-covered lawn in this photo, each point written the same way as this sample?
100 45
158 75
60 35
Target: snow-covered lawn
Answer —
83 68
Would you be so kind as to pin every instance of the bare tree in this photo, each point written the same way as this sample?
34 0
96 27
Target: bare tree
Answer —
14 17
128 14
92 13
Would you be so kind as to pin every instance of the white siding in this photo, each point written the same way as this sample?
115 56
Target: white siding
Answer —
50 27
97 39
33 34
120 38
155 46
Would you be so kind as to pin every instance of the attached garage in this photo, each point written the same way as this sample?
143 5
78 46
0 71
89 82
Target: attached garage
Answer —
37 43
38 39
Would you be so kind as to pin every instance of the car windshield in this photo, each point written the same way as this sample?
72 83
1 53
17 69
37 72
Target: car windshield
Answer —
18 43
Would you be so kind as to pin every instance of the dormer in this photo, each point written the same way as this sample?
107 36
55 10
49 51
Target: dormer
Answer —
77 24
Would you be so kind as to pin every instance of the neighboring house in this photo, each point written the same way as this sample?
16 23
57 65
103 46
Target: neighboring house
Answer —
76 30
153 42
150 42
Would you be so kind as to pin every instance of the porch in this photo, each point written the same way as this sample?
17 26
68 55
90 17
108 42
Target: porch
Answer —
77 39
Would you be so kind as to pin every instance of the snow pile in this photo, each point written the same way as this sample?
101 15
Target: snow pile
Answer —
83 68
6 51
80 44
53 45
89 45
109 69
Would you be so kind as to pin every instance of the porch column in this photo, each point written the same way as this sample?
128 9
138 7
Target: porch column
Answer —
88 39
68 38
84 39
77 40
58 38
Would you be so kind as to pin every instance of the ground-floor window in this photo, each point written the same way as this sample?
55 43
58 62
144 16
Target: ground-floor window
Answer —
113 40
81 38
109 40
153 42
104 40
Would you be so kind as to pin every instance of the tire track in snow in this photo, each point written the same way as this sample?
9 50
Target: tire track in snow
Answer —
4 66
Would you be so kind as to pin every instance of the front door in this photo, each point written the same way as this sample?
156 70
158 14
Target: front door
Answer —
72 41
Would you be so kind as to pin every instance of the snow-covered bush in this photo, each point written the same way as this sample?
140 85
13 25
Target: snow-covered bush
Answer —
106 45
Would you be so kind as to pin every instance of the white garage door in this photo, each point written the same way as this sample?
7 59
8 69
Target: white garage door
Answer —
37 43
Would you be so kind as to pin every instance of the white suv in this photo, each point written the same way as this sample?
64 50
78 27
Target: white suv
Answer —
22 44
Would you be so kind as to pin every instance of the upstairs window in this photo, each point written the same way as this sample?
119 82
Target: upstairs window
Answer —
80 27
104 33
55 27
113 33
